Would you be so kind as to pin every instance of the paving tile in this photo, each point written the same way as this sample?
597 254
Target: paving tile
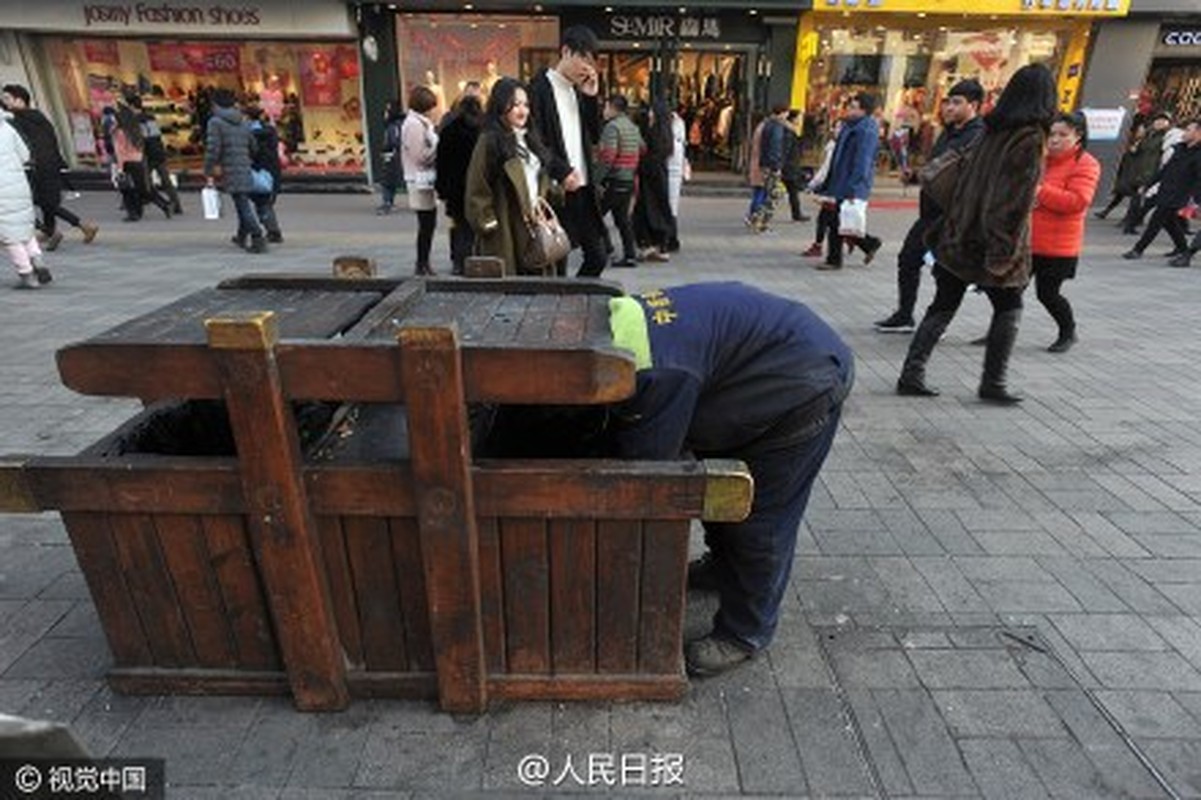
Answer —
768 761
967 669
1151 715
1092 593
830 753
1180 761
1107 632
882 751
447 763
922 740
331 757
194 754
1064 769
1143 670
1000 770
873 669
1012 596
1139 595
63 658
998 712
1009 543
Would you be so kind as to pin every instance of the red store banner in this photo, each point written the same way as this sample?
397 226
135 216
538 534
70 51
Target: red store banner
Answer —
101 51
198 59
320 84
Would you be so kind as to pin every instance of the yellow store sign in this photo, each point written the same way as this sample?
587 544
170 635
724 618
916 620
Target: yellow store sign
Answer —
1059 8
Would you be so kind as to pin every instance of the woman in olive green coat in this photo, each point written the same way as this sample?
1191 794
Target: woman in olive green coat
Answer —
507 175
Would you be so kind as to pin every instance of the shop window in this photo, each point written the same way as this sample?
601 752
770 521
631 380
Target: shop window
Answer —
1173 86
310 90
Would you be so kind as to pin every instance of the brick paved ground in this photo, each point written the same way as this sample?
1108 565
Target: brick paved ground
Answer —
986 603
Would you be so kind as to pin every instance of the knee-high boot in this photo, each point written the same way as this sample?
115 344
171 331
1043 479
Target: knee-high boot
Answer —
913 374
1002 334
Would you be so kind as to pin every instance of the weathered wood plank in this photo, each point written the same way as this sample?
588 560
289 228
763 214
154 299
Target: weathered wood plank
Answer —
440 447
181 539
241 591
586 688
91 539
618 595
341 586
573 595
492 595
664 578
526 571
410 582
153 594
281 523
369 549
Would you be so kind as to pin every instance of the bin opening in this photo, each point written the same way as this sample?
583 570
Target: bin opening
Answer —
201 428
519 431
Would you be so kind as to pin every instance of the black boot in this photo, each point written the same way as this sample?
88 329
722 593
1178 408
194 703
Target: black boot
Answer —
1002 334
257 245
913 375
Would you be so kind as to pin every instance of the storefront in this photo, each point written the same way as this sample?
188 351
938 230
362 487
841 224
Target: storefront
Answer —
1173 81
910 52
299 62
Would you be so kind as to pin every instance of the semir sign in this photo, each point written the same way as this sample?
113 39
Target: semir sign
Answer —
622 26
1182 38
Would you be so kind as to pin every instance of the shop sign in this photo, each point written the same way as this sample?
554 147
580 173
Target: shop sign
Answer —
129 14
101 51
1108 8
254 18
1104 124
1182 38
699 28
198 59
634 26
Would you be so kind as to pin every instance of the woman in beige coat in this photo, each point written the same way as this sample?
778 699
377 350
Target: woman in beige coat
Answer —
983 237
507 175
418 153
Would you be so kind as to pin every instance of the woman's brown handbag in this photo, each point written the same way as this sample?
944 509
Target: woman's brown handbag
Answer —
548 241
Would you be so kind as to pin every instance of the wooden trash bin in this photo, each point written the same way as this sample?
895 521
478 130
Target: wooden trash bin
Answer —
229 550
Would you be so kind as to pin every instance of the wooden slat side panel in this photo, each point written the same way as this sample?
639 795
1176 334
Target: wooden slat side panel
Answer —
410 580
527 595
492 595
151 372
181 539
91 539
664 578
369 546
242 592
573 596
152 590
341 586
618 569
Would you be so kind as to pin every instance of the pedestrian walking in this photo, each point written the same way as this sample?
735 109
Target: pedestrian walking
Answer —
46 167
792 172
1125 184
265 159
391 175
1069 182
852 172
827 216
418 155
16 209
456 143
621 150
725 370
654 225
962 125
229 150
130 156
679 169
983 236
566 113
508 174
156 154
1144 166
1179 182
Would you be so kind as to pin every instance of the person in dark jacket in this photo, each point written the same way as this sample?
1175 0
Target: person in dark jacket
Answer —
983 235
654 224
793 173
155 153
229 156
963 125
1147 159
618 159
725 370
266 159
391 177
1125 184
771 154
565 112
852 172
456 143
1179 181
45 177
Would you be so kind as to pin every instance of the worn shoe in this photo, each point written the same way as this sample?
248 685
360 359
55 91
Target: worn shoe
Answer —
979 341
238 241
826 266
53 241
711 656
659 256
813 251
1063 343
257 245
1131 255
909 388
1185 259
42 274
626 262
275 237
998 395
702 574
870 252
90 229
26 280
424 269
897 323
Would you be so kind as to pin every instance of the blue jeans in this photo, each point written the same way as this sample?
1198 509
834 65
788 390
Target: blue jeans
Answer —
753 558
248 221
758 198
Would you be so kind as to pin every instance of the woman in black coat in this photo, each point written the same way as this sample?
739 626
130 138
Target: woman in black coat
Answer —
654 224
456 143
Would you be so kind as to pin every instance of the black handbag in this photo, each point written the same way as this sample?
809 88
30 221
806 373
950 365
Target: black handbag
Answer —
124 181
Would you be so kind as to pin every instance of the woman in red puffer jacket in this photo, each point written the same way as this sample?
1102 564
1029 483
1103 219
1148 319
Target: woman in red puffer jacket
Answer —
1069 182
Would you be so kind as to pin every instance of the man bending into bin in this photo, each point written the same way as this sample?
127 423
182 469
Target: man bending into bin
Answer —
725 370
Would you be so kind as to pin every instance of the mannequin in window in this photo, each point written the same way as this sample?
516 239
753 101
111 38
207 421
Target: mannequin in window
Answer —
491 76
431 82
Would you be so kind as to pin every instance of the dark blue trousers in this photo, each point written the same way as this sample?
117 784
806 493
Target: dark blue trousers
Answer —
754 557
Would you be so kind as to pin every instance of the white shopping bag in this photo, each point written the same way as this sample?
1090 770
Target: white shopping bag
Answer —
852 218
210 198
